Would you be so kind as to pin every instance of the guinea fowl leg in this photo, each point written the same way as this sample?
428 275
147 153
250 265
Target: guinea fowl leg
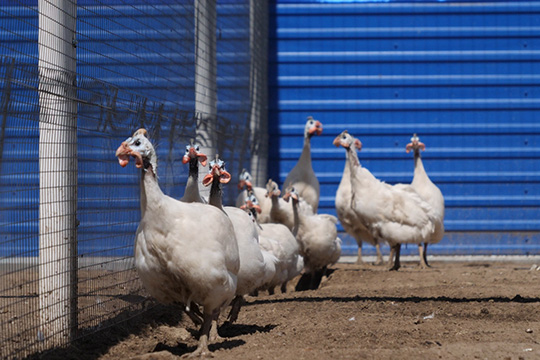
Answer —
397 263
284 287
214 334
236 304
359 258
195 314
422 249
379 260
425 255
391 257
202 349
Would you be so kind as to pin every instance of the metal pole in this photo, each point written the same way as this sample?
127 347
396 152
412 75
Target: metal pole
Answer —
58 172
258 33
206 79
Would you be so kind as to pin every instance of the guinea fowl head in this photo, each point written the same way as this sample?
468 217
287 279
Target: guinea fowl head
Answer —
347 141
291 192
244 179
216 172
193 154
140 148
312 127
251 203
272 189
415 145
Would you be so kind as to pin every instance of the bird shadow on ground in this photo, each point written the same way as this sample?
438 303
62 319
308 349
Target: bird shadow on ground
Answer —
182 349
93 342
233 330
414 299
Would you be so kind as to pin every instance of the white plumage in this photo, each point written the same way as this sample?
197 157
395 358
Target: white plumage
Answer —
192 157
252 262
245 180
279 241
302 176
396 214
348 217
280 211
317 237
428 191
184 252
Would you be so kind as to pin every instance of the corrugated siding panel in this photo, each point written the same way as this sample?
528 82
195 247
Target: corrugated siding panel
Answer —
129 58
464 76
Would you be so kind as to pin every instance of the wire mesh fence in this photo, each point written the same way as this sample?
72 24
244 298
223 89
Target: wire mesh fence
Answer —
76 79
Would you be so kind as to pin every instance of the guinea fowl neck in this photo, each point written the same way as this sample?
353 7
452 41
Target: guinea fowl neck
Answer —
151 193
305 157
352 157
216 195
192 184
296 216
346 169
418 165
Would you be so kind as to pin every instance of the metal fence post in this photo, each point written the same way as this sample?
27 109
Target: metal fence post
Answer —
206 78
58 172
258 44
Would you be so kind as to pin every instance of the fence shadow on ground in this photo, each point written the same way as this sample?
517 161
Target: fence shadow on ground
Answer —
93 344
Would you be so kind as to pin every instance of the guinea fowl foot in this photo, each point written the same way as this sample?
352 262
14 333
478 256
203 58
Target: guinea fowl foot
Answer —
394 268
214 334
198 353
378 262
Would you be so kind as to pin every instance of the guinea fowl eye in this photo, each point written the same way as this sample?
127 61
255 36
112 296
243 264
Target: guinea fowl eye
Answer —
197 148
137 142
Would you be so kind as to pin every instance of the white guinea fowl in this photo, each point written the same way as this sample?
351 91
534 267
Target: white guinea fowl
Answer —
280 211
252 263
302 176
184 252
396 213
428 191
279 241
348 217
317 236
192 157
245 180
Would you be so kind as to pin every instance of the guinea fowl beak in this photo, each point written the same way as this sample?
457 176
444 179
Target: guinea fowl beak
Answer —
358 144
316 128
202 158
337 141
224 177
124 152
208 179
250 205
408 148
241 184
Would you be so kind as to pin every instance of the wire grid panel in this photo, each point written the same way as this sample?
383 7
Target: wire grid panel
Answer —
135 68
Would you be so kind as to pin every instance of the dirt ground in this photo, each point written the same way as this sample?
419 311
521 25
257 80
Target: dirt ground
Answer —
467 310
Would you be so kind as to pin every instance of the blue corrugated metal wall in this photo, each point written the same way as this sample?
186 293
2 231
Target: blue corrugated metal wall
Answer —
135 65
464 76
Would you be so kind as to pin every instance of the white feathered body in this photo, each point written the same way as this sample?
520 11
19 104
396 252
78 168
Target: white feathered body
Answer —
429 192
280 242
185 252
303 178
349 219
317 236
252 263
394 213
264 202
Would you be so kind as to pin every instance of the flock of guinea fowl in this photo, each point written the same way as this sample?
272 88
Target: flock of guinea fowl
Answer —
206 256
